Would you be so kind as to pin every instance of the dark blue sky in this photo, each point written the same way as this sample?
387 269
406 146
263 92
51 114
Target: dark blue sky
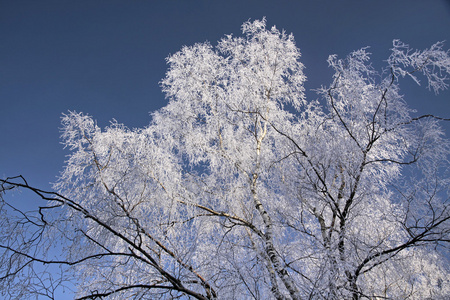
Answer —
106 58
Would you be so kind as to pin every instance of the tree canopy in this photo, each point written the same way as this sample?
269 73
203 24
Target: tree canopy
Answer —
241 188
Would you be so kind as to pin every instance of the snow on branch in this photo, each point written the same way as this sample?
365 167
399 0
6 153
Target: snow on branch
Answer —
433 63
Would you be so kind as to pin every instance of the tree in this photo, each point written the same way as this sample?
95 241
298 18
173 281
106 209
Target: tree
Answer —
241 189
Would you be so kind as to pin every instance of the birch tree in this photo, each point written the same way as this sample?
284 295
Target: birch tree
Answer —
241 188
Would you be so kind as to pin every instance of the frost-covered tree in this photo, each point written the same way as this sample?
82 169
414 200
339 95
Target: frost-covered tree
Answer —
240 188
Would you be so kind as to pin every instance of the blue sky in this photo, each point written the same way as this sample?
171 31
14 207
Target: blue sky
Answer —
106 58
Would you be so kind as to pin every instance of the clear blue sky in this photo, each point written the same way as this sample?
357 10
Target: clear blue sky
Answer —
107 57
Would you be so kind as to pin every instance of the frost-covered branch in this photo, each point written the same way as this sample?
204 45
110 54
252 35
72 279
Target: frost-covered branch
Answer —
433 63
